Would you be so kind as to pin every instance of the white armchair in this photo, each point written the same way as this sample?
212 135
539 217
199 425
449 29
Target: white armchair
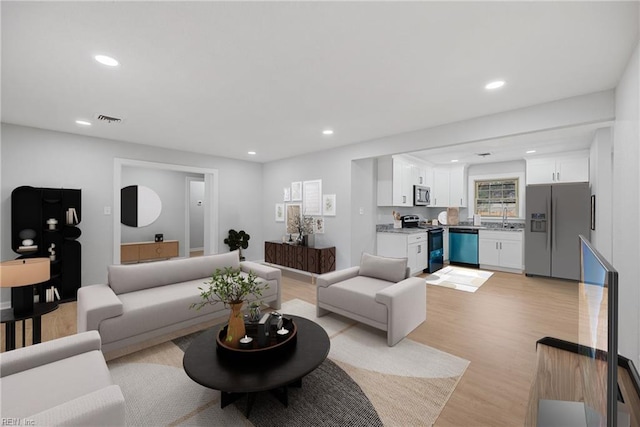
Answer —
379 293
61 382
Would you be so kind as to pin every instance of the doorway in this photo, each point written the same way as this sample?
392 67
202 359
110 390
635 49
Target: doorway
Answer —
210 201
194 227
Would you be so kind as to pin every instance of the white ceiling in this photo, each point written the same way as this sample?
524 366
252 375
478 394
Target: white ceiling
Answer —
505 149
224 78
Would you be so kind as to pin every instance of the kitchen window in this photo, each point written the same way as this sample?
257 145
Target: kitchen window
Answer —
492 196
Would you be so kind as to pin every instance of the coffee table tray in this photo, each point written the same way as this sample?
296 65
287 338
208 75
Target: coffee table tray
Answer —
275 348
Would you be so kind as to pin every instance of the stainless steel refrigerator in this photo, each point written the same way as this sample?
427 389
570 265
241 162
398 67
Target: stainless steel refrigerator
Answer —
556 215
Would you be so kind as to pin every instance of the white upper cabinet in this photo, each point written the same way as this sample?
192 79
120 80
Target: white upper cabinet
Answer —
423 174
458 186
568 167
395 181
449 187
396 177
440 189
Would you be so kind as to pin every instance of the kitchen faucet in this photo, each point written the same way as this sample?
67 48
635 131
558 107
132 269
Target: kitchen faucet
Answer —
504 217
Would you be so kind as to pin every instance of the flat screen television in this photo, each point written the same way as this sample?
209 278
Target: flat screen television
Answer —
595 370
598 336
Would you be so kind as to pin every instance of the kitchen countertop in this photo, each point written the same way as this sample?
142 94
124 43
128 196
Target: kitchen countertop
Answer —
402 230
388 228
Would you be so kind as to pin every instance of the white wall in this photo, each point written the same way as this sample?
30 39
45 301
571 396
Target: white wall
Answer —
363 219
335 172
500 170
601 179
626 202
43 158
334 166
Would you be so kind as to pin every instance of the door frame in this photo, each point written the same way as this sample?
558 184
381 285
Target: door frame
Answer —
187 213
211 196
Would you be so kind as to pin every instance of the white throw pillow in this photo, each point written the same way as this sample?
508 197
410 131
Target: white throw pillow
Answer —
383 268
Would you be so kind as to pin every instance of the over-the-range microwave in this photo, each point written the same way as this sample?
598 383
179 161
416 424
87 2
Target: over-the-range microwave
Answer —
421 195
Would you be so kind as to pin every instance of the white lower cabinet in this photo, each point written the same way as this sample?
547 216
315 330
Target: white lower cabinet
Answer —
400 245
501 249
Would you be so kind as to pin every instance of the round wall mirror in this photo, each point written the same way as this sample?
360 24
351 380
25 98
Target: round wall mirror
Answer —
140 206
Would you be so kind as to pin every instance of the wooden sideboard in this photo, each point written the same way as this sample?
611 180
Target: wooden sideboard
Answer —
148 251
313 260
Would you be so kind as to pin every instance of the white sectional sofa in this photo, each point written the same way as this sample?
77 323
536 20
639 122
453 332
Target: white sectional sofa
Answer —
148 300
63 382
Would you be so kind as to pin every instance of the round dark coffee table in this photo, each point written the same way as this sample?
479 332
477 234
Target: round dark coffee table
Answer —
234 379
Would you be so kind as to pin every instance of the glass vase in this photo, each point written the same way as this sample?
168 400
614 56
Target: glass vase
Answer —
254 313
235 328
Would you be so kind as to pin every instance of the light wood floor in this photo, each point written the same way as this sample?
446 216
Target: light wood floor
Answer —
495 328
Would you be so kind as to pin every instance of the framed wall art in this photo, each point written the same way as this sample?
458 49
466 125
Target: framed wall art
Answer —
593 211
329 204
286 194
318 225
312 197
292 212
296 191
279 212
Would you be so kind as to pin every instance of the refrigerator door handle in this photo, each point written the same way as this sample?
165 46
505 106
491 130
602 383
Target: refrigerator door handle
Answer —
549 224
554 243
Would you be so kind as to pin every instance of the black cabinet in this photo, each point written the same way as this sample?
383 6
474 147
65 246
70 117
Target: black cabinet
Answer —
49 218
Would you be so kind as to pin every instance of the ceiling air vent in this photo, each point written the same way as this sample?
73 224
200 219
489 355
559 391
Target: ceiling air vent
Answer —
108 119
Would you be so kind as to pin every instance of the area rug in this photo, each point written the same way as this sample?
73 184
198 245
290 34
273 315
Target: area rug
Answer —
462 279
363 382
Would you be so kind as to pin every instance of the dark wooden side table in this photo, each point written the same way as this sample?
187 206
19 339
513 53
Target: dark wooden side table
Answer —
235 379
9 320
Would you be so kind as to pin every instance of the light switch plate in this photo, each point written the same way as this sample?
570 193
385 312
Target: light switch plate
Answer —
107 210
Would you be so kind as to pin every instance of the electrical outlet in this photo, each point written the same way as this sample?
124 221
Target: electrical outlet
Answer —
107 210
361 211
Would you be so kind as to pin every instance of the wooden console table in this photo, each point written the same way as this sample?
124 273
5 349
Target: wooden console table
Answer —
148 251
313 260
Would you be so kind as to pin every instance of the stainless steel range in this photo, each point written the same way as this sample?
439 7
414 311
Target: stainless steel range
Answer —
434 239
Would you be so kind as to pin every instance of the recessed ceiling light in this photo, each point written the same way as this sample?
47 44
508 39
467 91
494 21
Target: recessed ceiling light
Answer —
327 132
83 122
106 60
494 85
454 161
253 153
531 151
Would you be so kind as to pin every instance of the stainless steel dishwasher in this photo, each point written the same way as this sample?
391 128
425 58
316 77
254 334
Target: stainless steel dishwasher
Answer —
463 247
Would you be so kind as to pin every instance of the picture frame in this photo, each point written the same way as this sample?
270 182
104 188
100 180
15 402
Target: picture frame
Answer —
296 191
312 197
593 211
279 212
292 211
318 225
286 194
329 204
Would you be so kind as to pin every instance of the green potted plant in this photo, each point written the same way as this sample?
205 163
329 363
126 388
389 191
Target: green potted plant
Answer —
231 288
238 240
